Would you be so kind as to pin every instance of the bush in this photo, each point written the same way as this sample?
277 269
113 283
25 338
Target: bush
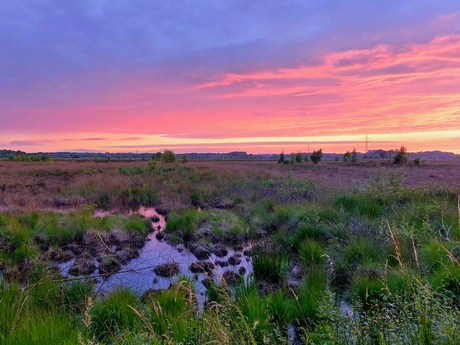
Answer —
418 161
157 156
281 158
401 156
299 158
185 159
316 156
354 156
169 157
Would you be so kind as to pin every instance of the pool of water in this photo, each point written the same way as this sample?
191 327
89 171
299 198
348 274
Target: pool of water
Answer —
138 275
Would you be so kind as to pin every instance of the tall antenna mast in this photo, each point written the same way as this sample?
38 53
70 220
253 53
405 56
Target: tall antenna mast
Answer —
366 145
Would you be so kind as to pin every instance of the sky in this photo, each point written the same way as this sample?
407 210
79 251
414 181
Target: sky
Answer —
259 76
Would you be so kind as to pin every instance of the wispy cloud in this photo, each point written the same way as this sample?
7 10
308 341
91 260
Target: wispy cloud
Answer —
29 142
229 70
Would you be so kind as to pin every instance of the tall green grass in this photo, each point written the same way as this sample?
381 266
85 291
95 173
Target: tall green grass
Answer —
113 316
270 269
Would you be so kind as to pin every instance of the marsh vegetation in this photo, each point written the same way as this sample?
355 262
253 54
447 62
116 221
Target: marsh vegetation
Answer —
335 253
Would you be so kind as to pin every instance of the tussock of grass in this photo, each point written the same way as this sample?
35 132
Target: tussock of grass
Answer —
112 316
270 269
311 255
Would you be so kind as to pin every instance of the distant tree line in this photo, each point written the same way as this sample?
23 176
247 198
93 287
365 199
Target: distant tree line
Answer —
167 156
400 157
350 157
296 158
21 156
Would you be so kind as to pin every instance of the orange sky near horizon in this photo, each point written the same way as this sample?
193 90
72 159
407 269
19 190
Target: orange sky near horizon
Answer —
399 92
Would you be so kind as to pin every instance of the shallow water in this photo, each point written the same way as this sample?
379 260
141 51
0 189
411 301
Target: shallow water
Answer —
138 274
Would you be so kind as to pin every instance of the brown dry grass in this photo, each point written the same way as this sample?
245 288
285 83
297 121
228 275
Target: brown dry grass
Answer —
70 184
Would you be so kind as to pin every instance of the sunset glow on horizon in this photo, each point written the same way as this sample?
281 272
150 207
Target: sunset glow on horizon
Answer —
210 76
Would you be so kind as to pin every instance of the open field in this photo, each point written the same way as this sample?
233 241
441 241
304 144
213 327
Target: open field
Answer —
340 253
73 183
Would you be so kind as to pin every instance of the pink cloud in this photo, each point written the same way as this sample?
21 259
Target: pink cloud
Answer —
381 89
415 87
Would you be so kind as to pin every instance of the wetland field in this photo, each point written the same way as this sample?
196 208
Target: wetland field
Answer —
229 252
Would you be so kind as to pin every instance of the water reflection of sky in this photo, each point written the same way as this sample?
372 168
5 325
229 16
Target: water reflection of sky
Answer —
138 274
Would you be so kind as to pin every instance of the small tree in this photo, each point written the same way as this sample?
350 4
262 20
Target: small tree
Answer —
316 156
354 156
347 156
169 156
157 156
281 159
401 156
293 158
185 159
299 158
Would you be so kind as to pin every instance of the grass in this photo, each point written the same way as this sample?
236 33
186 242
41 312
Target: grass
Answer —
270 269
34 315
387 247
112 316
311 255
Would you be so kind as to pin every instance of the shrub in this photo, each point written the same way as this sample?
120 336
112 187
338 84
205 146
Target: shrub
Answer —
401 156
281 158
316 156
299 158
418 161
185 159
354 156
169 157
157 156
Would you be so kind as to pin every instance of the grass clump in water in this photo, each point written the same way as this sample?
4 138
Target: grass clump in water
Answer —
270 270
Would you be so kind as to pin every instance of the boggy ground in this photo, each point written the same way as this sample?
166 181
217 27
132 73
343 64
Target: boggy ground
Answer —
379 238
123 185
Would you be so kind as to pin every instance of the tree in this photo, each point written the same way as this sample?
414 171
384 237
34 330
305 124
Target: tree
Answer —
401 156
169 157
157 156
281 159
299 158
293 158
354 156
347 156
316 156
185 159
